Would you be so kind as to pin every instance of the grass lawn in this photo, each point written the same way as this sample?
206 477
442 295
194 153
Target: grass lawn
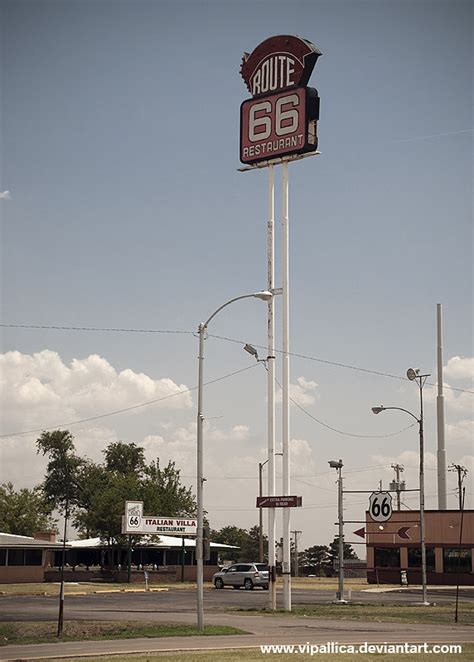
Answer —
443 614
247 655
41 632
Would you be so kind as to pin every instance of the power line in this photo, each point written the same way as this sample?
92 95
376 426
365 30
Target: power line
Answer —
93 328
225 338
333 363
346 434
125 409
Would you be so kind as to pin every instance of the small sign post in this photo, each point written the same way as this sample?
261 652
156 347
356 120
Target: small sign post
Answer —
279 501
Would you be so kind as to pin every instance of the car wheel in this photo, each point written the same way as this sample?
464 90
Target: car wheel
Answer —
248 584
218 583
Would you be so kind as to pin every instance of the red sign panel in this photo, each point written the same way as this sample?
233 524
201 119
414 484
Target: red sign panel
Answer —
277 63
279 501
278 125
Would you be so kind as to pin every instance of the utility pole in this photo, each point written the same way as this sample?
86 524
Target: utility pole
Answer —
397 485
296 535
462 473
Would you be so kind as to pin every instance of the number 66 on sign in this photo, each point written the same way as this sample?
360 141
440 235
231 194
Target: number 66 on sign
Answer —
380 506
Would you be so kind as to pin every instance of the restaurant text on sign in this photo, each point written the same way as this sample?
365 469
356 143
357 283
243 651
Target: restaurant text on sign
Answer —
135 521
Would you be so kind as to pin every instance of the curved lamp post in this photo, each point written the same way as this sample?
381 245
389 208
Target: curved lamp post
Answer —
264 295
414 375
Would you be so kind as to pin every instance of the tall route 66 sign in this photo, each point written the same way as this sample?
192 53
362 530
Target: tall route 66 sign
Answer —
281 117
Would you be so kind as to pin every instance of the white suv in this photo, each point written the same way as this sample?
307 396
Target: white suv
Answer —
247 575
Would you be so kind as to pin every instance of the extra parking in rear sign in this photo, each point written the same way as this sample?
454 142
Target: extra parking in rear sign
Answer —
281 117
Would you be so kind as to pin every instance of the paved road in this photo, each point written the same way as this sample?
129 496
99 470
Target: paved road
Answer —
279 629
152 606
179 606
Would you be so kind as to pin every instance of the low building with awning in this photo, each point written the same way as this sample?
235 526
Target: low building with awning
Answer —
25 559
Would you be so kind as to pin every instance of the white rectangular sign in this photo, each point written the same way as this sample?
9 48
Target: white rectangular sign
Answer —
136 522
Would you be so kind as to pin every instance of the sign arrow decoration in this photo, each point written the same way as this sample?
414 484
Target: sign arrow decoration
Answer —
403 532
360 532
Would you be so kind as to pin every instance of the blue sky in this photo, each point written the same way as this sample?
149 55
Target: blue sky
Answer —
119 146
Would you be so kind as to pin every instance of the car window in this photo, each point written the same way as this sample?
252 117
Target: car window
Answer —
233 568
244 568
261 567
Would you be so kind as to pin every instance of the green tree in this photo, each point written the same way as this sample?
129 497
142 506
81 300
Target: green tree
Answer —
348 552
125 476
162 492
24 512
246 541
125 458
314 559
96 493
60 486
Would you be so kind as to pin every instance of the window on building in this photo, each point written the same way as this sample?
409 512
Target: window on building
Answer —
414 557
16 556
387 557
457 560
33 557
3 556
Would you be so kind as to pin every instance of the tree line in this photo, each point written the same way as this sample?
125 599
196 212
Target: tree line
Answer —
93 495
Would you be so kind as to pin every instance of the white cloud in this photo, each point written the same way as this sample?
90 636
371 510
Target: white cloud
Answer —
303 392
5 195
41 390
460 368
461 432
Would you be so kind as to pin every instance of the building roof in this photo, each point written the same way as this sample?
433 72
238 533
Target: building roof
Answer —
12 540
168 542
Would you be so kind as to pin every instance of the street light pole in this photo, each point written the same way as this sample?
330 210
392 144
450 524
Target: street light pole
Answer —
335 464
414 375
264 295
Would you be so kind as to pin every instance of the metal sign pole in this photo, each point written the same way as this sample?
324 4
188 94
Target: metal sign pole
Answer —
199 488
271 389
286 390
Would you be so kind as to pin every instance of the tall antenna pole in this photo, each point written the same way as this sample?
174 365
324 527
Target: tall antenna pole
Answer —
442 468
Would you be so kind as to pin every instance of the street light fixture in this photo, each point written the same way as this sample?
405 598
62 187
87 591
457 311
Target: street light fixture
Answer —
251 350
264 295
337 464
414 375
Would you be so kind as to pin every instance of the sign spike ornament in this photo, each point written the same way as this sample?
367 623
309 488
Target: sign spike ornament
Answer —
280 120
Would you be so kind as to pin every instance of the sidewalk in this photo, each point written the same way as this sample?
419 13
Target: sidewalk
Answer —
263 630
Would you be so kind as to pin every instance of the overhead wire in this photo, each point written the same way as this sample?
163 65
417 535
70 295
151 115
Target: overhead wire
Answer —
219 337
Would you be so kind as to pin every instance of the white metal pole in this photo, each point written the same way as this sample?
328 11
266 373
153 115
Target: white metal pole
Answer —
442 461
199 487
341 536
422 498
286 390
271 388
